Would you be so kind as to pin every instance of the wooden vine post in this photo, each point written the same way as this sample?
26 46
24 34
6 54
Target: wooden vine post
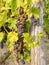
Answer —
37 53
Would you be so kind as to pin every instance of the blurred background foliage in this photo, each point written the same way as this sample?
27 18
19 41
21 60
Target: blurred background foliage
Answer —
46 16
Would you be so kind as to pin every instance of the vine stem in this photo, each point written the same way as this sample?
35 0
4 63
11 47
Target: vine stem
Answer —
7 54
5 29
15 55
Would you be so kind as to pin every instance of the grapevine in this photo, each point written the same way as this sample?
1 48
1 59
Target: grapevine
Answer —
15 26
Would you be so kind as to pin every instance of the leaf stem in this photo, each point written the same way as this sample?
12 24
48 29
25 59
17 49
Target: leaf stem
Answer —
5 29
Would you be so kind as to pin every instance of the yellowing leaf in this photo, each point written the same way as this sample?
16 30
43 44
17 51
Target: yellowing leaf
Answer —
12 37
20 3
37 1
8 1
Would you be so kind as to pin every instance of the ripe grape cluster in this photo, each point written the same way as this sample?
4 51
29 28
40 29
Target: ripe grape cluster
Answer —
21 21
20 25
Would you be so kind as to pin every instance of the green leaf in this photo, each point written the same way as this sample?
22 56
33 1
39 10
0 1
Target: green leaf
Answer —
27 26
34 11
27 56
12 24
13 5
27 38
29 2
28 41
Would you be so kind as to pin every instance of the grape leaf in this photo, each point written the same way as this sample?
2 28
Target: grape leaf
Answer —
13 5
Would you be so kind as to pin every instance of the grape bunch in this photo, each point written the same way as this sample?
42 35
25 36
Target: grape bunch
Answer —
20 25
21 21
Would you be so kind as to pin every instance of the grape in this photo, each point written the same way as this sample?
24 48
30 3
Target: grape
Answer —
21 21
20 29
20 26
